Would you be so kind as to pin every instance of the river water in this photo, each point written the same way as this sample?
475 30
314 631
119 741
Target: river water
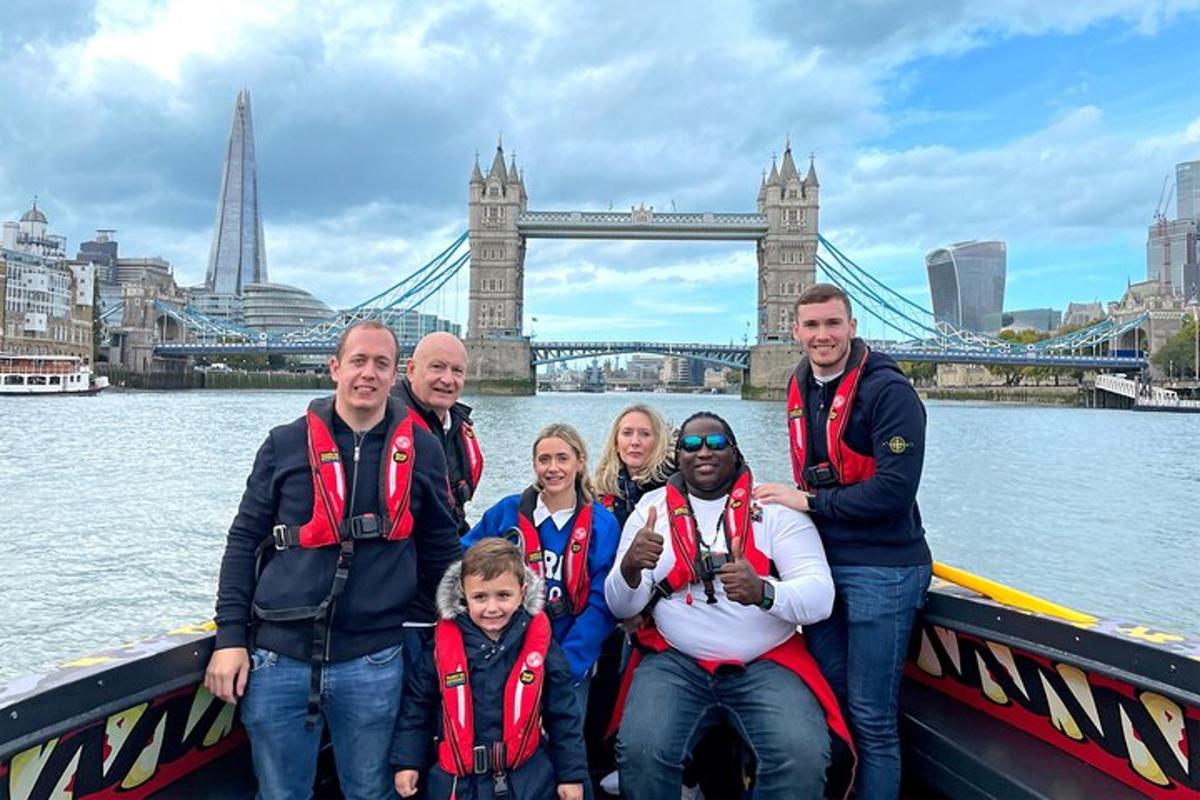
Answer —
115 507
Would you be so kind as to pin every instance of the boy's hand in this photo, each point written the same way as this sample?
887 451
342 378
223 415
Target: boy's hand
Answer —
570 791
406 782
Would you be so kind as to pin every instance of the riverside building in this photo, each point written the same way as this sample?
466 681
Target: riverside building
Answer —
48 300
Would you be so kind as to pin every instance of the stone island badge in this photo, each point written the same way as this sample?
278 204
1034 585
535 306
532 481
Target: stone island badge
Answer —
455 679
898 444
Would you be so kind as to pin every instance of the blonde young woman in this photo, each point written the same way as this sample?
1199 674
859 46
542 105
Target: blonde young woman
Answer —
636 459
568 538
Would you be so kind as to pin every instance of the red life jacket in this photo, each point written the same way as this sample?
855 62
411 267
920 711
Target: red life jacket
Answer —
737 524
329 481
522 721
575 578
470 447
474 454
850 465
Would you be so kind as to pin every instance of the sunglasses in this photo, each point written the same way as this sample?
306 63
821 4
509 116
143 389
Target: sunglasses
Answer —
693 443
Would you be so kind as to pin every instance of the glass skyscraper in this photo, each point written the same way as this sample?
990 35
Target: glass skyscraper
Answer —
966 283
1187 190
238 256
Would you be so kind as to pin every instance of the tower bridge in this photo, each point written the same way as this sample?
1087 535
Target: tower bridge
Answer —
789 252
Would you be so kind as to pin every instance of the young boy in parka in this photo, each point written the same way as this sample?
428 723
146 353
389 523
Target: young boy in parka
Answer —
493 680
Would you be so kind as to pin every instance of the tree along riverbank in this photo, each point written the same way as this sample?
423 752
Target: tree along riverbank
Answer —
1029 395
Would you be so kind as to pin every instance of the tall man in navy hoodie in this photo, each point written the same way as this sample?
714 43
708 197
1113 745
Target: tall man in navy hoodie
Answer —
857 431
344 518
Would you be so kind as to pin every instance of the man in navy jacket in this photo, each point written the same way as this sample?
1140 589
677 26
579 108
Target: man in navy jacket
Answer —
857 431
344 519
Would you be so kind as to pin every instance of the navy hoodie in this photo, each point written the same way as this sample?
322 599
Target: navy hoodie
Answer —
875 522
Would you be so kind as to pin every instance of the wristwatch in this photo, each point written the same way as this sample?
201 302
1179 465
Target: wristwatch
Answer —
768 598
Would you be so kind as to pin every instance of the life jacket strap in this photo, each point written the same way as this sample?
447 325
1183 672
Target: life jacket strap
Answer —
321 625
360 526
659 591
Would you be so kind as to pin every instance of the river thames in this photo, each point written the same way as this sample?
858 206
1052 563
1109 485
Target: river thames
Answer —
116 506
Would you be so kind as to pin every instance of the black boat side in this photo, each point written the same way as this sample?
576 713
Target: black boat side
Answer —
997 702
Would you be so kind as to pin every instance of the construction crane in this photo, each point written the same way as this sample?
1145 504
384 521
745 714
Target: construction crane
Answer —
1160 224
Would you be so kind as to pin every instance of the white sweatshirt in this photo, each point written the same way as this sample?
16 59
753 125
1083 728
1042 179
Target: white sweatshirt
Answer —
728 630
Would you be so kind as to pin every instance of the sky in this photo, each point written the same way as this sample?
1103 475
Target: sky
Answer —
1048 125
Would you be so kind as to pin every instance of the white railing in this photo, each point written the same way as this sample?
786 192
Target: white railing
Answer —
1142 395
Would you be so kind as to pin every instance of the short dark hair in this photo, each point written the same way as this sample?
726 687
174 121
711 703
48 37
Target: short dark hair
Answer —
492 557
820 293
367 324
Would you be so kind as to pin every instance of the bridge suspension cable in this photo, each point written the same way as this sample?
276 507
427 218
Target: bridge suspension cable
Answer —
917 323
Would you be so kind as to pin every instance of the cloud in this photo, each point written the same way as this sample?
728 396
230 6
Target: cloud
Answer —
367 115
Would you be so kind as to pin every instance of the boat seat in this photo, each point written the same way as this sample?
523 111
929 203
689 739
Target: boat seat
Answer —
958 751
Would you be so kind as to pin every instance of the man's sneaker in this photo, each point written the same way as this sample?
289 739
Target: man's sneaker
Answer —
611 783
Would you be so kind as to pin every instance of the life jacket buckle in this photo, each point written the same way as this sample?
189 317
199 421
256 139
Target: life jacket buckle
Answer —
280 534
821 475
482 760
364 526
711 563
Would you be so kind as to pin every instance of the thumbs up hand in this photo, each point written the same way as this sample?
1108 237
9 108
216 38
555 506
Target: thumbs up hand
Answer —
742 584
644 551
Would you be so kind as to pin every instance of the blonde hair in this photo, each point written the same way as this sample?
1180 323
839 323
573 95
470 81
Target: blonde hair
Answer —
658 461
561 430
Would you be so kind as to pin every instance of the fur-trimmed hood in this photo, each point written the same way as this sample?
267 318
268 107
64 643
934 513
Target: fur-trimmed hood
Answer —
451 601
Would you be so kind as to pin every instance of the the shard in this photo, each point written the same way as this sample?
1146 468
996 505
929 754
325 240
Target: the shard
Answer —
238 256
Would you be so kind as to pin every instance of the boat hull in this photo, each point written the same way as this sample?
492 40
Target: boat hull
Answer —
996 703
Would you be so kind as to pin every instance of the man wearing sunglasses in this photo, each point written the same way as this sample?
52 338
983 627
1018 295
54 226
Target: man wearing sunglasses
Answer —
722 584
857 432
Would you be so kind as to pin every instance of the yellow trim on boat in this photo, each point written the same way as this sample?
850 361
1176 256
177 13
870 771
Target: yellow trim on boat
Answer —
1008 595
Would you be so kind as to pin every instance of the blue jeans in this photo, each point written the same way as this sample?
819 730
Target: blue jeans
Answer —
861 649
359 702
673 701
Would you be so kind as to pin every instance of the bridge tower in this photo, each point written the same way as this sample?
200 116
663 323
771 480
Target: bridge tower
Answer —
498 356
786 267
497 249
786 255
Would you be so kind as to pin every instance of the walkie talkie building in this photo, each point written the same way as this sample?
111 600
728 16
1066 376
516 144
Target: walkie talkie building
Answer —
966 283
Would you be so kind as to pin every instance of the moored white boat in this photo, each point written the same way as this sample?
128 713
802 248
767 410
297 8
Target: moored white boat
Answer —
39 374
